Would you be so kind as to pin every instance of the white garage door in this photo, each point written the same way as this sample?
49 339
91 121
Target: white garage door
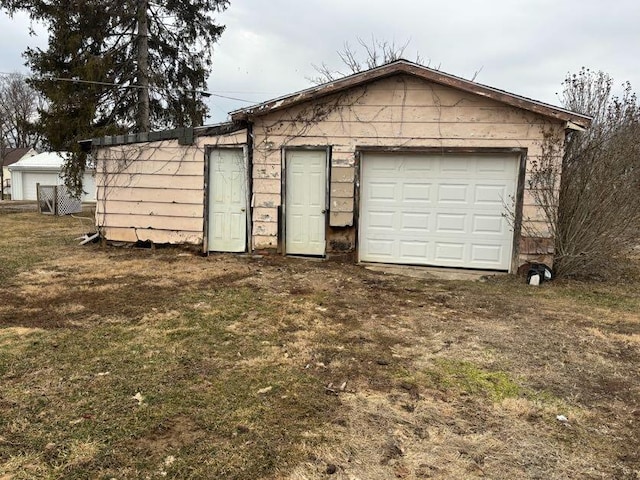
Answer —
442 210
31 179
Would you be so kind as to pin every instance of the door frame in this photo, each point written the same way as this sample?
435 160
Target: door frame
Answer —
208 149
282 211
521 153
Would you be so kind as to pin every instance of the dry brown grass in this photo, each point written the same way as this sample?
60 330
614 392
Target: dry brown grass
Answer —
240 365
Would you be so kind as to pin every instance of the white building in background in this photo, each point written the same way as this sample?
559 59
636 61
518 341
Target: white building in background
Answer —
11 156
45 169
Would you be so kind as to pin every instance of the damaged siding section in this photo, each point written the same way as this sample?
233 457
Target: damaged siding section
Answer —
154 191
342 189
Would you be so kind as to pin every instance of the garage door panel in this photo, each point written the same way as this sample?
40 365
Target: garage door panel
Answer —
386 169
412 166
488 225
449 252
381 248
436 210
415 221
381 221
455 167
496 166
451 223
487 254
452 193
382 191
415 250
490 194
416 192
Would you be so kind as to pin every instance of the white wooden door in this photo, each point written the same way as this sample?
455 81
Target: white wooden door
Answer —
227 230
443 210
305 202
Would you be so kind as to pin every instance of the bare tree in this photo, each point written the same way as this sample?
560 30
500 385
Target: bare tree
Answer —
19 104
597 219
365 56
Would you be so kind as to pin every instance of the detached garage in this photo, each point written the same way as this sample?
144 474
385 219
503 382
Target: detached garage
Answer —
44 169
398 164
423 168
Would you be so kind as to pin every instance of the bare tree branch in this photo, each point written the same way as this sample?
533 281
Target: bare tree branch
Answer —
368 55
19 104
594 211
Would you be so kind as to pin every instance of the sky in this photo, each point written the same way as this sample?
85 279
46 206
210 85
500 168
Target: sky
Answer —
526 47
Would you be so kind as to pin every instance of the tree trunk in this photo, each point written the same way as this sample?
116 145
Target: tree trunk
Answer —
142 115
3 152
2 176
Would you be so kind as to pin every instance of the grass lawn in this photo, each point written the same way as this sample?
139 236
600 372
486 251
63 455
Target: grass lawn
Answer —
132 363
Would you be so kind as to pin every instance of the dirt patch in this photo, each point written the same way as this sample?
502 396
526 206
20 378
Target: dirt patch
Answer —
70 304
170 436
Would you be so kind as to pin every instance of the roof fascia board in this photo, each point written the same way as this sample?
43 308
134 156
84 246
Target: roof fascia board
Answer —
34 168
403 66
185 136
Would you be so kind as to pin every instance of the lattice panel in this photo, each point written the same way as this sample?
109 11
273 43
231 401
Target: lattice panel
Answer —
56 200
66 203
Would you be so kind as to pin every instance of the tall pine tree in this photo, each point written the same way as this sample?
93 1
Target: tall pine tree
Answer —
119 66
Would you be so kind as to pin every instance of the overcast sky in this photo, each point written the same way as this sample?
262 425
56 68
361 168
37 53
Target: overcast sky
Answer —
522 46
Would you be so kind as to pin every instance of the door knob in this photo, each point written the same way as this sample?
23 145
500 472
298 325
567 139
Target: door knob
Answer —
324 211
243 209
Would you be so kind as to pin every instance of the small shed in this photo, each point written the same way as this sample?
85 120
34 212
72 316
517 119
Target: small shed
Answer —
44 169
400 164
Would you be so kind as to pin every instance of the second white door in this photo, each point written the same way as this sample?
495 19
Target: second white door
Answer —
305 202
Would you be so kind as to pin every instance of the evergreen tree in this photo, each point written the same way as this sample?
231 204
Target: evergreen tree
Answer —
119 66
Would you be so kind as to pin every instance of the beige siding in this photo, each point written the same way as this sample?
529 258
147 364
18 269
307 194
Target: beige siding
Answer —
397 112
154 191
156 236
126 194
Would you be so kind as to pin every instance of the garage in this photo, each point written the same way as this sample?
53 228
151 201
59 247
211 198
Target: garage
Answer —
442 210
397 164
45 169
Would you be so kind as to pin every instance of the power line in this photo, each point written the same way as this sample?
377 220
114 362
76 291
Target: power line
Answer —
118 85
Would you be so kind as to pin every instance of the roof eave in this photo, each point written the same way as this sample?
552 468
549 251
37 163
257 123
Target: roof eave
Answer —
38 168
576 126
403 66
185 136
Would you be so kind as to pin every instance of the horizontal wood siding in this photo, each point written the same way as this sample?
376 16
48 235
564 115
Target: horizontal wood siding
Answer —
155 191
182 210
132 235
127 194
156 222
398 112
